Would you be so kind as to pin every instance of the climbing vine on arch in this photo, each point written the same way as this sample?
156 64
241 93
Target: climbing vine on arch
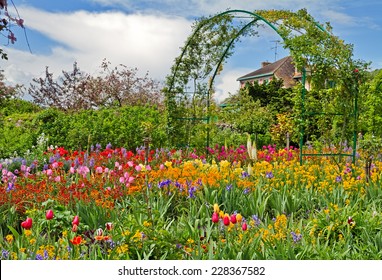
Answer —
328 59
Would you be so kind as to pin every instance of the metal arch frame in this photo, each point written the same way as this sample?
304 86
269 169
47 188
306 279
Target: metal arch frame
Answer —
257 17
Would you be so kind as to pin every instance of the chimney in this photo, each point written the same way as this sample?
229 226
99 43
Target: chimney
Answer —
264 63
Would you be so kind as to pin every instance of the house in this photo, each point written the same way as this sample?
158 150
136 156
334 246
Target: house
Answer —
281 69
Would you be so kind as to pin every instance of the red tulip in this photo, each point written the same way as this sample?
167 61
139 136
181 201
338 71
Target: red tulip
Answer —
233 218
215 217
27 224
226 220
244 226
49 214
109 226
76 220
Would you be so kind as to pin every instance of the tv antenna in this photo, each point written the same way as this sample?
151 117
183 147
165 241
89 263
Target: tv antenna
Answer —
277 42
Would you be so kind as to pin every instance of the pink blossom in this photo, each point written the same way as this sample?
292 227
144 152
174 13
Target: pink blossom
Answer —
161 167
98 169
20 22
83 170
130 163
55 165
12 37
71 170
138 168
23 168
49 172
57 179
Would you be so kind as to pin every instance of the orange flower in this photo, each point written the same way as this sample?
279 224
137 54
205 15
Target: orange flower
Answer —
76 240
98 237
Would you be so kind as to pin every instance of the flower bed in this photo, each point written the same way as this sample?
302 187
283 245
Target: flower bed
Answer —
115 204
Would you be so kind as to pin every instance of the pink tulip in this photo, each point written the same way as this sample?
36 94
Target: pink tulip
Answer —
215 217
49 214
76 220
233 218
226 220
74 228
27 224
244 226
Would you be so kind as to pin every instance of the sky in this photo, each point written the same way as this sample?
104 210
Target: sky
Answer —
149 35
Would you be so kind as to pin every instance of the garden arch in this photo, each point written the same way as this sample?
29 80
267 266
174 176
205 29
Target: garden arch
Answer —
281 23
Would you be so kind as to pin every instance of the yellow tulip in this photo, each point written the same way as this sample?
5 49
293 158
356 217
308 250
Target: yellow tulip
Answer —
216 208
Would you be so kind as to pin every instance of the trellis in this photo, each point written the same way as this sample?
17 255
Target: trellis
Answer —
254 18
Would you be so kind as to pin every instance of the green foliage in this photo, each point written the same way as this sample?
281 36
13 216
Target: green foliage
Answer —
371 106
18 133
122 127
247 115
17 106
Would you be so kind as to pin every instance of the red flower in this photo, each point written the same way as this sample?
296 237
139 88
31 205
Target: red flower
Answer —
226 220
109 226
215 217
351 221
27 224
244 226
76 220
49 214
233 218
76 240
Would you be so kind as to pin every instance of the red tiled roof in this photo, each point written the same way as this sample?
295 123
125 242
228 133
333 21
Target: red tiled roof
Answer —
269 69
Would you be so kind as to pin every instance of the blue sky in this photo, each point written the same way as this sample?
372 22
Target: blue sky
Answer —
148 35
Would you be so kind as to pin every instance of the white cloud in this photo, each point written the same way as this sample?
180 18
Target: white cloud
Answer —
340 18
226 83
148 42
